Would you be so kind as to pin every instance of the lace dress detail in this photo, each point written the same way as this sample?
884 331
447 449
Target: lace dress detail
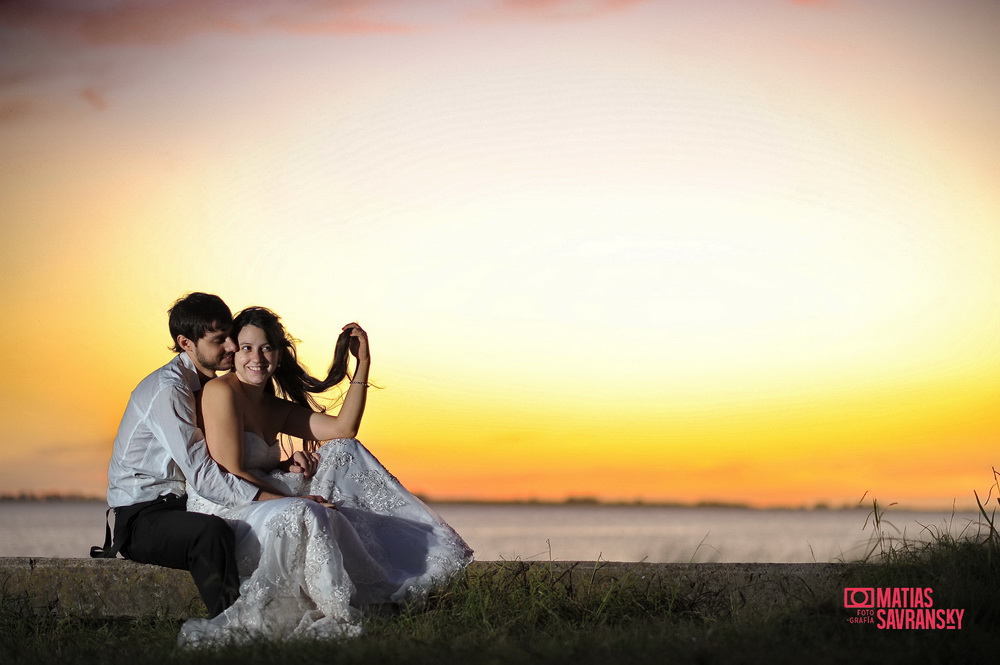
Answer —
306 569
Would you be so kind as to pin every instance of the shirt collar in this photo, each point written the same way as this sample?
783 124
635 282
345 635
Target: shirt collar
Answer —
189 372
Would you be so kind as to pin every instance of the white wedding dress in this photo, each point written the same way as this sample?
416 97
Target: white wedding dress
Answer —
306 570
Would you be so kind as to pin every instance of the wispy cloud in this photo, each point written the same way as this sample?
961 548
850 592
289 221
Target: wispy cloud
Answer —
562 9
173 21
94 98
100 22
12 110
53 61
814 3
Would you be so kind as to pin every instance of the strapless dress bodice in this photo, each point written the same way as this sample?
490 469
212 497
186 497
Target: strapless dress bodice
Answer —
259 456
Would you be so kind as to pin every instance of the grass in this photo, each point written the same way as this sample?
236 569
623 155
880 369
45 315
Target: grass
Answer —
516 613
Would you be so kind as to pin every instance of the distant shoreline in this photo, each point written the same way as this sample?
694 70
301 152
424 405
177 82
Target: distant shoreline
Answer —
589 502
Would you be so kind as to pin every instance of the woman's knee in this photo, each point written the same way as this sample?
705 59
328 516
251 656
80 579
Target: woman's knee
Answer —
341 443
339 450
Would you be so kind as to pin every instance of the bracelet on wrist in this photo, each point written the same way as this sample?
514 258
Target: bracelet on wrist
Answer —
360 383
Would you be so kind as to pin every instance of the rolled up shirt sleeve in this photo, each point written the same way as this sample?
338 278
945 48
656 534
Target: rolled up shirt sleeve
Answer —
173 422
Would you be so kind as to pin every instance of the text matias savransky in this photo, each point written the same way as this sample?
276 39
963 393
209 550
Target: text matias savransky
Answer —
900 608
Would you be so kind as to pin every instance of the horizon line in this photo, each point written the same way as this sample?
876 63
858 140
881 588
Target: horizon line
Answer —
27 496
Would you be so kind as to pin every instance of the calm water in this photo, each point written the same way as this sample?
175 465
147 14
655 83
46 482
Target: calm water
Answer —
613 533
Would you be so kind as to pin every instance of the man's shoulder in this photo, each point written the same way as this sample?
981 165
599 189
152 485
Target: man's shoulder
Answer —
171 375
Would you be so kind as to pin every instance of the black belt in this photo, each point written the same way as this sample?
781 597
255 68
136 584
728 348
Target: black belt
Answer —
124 517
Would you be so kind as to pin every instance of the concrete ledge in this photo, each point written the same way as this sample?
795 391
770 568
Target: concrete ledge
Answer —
100 588
95 588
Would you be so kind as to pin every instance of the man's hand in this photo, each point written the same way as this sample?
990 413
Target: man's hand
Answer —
304 463
320 500
264 495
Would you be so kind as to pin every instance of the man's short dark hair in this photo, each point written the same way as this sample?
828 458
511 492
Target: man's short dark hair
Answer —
197 313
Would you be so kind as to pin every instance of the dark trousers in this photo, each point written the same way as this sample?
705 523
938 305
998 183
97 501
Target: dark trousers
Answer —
165 534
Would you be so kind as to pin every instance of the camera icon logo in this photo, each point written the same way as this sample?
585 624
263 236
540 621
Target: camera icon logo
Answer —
859 597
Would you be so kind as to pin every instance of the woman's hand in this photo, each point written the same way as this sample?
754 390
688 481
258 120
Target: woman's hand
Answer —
304 463
359 343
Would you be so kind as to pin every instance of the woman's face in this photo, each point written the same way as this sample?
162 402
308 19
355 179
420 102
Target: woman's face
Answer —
255 359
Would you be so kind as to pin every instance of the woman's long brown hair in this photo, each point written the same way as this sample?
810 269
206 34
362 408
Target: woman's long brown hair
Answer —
290 380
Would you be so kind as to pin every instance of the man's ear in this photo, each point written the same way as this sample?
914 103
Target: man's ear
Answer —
185 344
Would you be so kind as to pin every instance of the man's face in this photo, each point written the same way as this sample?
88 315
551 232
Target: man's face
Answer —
214 350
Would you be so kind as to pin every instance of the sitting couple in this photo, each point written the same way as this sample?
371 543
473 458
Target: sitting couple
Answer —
277 548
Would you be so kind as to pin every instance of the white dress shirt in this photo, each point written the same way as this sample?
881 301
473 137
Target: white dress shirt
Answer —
159 444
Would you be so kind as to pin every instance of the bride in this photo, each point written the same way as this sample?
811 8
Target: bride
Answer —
341 532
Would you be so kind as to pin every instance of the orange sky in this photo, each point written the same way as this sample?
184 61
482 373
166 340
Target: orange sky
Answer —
726 251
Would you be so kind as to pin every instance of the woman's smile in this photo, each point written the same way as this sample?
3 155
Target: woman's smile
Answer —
259 370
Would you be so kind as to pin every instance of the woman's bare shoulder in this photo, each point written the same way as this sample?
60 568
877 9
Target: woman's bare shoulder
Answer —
220 387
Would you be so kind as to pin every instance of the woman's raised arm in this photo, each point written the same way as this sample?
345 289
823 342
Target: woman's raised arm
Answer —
312 425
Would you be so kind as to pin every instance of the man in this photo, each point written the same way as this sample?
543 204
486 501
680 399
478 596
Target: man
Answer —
159 445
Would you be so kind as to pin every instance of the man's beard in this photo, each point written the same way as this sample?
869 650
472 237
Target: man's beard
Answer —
221 365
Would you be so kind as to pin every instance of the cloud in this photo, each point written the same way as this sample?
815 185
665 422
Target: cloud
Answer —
12 110
156 22
344 26
49 50
14 78
173 21
94 98
45 87
559 9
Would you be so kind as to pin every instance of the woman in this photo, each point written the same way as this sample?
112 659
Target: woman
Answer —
347 535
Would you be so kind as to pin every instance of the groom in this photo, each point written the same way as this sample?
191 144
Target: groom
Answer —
159 445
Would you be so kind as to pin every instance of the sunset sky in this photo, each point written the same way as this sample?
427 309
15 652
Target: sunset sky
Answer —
729 250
